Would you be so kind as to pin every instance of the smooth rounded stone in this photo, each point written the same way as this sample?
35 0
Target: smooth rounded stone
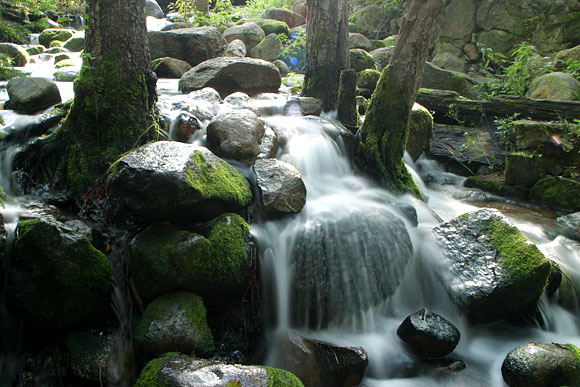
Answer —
236 134
60 57
429 334
75 44
360 60
177 370
175 322
193 45
290 18
18 55
434 77
493 272
168 180
356 40
35 50
175 17
269 145
281 187
448 61
184 126
236 48
177 26
249 33
49 35
300 7
271 26
368 79
228 75
269 48
240 100
206 94
87 355
64 63
57 278
153 9
382 56
319 363
572 222
555 86
420 131
170 67
54 50
303 106
369 20
29 95
282 67
542 365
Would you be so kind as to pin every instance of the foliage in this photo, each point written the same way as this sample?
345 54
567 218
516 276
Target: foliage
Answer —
505 131
221 15
255 8
13 33
41 6
7 72
295 53
294 81
388 5
573 68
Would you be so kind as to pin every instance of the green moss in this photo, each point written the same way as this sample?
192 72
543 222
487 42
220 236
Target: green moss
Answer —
47 36
65 63
35 50
557 192
575 349
282 378
150 376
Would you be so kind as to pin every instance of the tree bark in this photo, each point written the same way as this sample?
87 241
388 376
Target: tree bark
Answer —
385 130
326 50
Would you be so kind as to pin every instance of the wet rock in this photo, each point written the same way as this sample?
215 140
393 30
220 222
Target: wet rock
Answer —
542 365
87 355
249 33
236 134
18 55
420 131
367 79
171 68
60 57
177 26
290 18
42 124
64 63
153 9
65 75
29 95
75 44
176 370
170 180
2 243
572 222
57 278
271 26
281 187
175 322
555 86
305 106
269 48
211 261
448 61
356 40
435 77
184 126
429 334
193 45
269 145
228 75
360 60
47 36
381 56
35 50
282 67
557 192
493 271
236 48
523 170
320 364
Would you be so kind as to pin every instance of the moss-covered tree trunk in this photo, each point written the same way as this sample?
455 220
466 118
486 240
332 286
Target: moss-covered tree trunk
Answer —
385 130
326 50
114 105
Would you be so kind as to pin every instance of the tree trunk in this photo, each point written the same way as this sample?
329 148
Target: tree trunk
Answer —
385 130
326 50
114 104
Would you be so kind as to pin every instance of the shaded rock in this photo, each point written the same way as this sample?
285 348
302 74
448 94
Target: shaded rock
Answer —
249 33
572 221
557 192
420 131
75 44
18 55
369 20
42 124
270 144
269 48
87 355
235 48
153 9
60 58
65 75
360 60
271 26
555 86
236 134
29 95
367 82
54 50
64 63
57 278
498 41
176 26
494 272
320 364
305 106
435 77
175 17
449 61
429 334
35 50
382 56
282 67
177 370
359 41
565 55
184 126
457 21
175 322
193 45
170 180
281 187
290 18
228 75
523 170
542 365
47 36
170 67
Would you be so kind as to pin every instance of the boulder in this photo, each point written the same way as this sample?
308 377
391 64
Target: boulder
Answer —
249 33
54 50
290 18
268 49
367 79
420 131
236 134
75 44
435 77
303 106
64 63
271 26
565 55
369 21
356 40
175 322
493 271
236 48
184 126
542 365
35 50
228 75
382 56
557 192
57 278
177 370
282 67
19 56
153 9
572 222
176 26
555 86
428 334
281 187
170 67
320 364
523 169
175 181
87 355
60 57
449 61
361 60
499 41
212 261
54 34
457 21
65 75
29 95
193 45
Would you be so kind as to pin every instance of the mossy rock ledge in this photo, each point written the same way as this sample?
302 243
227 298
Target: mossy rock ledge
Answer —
176 370
493 271
175 181
557 192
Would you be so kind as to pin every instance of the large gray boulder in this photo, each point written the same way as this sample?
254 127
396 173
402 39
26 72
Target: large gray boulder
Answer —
236 48
290 18
360 60
171 181
555 86
29 95
572 222
492 271
457 21
153 9
249 33
236 134
171 68
268 49
18 55
435 77
369 20
228 75
193 45
281 187
356 40
382 56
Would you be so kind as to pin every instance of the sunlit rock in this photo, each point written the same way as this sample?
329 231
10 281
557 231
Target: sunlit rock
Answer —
281 187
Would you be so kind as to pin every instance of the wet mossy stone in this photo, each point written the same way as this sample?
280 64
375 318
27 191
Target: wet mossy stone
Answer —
215 265
523 170
557 192
87 355
361 60
57 278
270 26
47 36
75 44
555 86
35 50
420 131
174 181
29 95
176 370
367 79
18 55
493 271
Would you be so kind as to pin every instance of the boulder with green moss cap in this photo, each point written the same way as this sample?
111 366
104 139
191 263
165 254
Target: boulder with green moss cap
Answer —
87 355
420 131
47 36
555 86
557 192
360 60
18 56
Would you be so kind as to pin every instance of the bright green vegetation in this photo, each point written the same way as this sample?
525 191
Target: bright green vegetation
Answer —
150 375
575 349
558 193
8 72
282 378
389 5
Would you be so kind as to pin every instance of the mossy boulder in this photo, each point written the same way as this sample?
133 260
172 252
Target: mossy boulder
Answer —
269 48
175 181
420 131
361 60
29 95
18 56
249 33
359 41
64 63
271 26
292 19
65 75
367 79
434 77
87 355
57 278
176 370
555 86
523 170
557 192
175 322
75 44
494 272
369 20
35 50
211 261
47 36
